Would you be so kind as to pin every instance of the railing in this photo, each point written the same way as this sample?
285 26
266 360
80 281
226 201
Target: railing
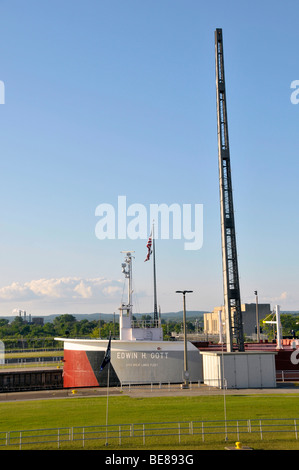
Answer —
145 323
119 434
287 376
131 385
23 363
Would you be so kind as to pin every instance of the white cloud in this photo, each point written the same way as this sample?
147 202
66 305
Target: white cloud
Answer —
283 296
66 288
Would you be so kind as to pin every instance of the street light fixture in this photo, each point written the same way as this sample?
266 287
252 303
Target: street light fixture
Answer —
186 373
257 317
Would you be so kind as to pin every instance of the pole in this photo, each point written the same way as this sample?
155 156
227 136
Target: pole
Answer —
278 326
185 343
107 403
220 326
155 282
130 282
186 373
224 397
257 317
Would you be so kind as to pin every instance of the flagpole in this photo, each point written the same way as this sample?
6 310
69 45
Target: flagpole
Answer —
107 360
107 403
155 285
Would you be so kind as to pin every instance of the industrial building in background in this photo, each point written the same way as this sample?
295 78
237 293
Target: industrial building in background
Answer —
214 322
232 299
28 318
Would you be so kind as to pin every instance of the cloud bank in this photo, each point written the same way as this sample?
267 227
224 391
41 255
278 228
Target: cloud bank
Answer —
65 288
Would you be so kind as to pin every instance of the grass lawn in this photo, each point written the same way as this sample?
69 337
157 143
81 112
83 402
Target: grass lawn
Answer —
37 353
85 411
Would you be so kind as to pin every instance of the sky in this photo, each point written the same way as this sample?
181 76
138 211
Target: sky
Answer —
108 101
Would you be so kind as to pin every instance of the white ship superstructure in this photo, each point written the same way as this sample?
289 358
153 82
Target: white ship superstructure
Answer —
134 330
139 356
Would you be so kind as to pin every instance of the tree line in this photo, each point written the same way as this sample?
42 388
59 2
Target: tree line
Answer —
19 333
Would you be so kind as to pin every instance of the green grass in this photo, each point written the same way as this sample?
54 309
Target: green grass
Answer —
32 354
37 353
71 412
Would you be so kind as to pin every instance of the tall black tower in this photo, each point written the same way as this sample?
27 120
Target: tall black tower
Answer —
232 300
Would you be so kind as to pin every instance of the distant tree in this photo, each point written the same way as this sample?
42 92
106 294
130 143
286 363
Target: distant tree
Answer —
49 329
146 317
64 324
289 323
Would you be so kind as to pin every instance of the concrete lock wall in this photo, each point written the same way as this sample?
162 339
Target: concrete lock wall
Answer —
239 370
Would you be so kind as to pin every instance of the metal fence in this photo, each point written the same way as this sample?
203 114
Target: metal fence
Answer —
131 385
287 376
144 433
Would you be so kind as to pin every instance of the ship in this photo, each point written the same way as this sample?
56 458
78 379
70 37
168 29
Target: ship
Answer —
139 356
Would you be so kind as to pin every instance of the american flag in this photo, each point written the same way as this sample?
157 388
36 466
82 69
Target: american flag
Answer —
149 248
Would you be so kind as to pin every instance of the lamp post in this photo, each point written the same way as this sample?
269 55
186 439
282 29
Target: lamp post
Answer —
186 373
257 317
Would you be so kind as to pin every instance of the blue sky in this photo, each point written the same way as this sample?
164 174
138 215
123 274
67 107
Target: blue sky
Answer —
114 98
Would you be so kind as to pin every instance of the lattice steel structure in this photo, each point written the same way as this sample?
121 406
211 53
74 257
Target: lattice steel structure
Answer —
232 300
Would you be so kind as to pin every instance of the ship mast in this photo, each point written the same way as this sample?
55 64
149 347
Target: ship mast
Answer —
155 282
126 309
127 270
130 330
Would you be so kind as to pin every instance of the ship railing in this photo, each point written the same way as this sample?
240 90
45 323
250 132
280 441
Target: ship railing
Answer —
145 323
287 376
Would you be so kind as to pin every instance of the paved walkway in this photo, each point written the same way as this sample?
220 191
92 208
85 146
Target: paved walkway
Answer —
196 390
146 391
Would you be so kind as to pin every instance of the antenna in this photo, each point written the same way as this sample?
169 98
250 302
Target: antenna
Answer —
127 271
